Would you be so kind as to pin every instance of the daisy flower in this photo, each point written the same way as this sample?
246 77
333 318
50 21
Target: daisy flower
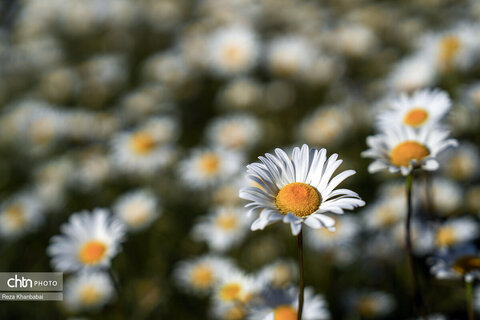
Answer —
401 149
237 132
422 108
201 275
460 262
233 50
206 167
283 304
372 304
298 189
279 274
88 241
446 196
236 288
385 213
454 231
223 228
412 73
463 164
20 214
88 291
346 228
137 209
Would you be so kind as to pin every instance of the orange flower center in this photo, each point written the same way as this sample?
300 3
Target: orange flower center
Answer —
89 295
226 222
449 47
14 214
415 117
230 292
466 264
445 237
92 252
407 151
284 312
202 277
233 55
142 143
298 198
209 163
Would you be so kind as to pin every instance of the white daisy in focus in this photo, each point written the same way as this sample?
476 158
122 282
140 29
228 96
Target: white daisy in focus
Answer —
222 228
19 215
454 231
283 305
88 291
233 50
207 167
137 209
402 149
88 241
298 189
237 132
201 275
422 108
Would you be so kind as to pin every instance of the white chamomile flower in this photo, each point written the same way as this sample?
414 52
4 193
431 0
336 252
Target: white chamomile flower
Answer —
401 149
236 287
238 132
463 163
283 305
454 231
137 209
88 241
446 196
206 167
201 275
412 73
298 189
460 262
20 214
422 108
223 228
88 291
233 50
140 151
279 274
385 213
373 304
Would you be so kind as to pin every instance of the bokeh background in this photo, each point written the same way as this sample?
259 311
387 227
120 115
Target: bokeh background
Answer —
79 78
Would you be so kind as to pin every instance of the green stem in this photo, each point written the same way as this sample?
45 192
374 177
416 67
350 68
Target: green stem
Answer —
417 297
469 297
300 271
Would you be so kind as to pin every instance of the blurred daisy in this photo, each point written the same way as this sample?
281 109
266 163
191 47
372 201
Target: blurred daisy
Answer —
279 274
473 199
401 149
346 228
326 126
235 311
289 56
283 304
201 275
298 190
422 108
373 304
233 50
354 40
88 240
385 213
206 167
236 287
240 94
87 291
238 132
447 196
140 151
459 262
223 228
20 214
413 73
454 231
422 235
92 168
137 209
463 164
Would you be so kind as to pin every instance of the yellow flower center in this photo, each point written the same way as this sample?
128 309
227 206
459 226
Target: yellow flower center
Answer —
415 117
233 55
386 216
209 163
367 307
449 47
136 214
92 252
226 222
230 292
281 276
466 264
284 312
445 237
407 151
14 215
202 277
298 198
89 295
142 143
235 313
